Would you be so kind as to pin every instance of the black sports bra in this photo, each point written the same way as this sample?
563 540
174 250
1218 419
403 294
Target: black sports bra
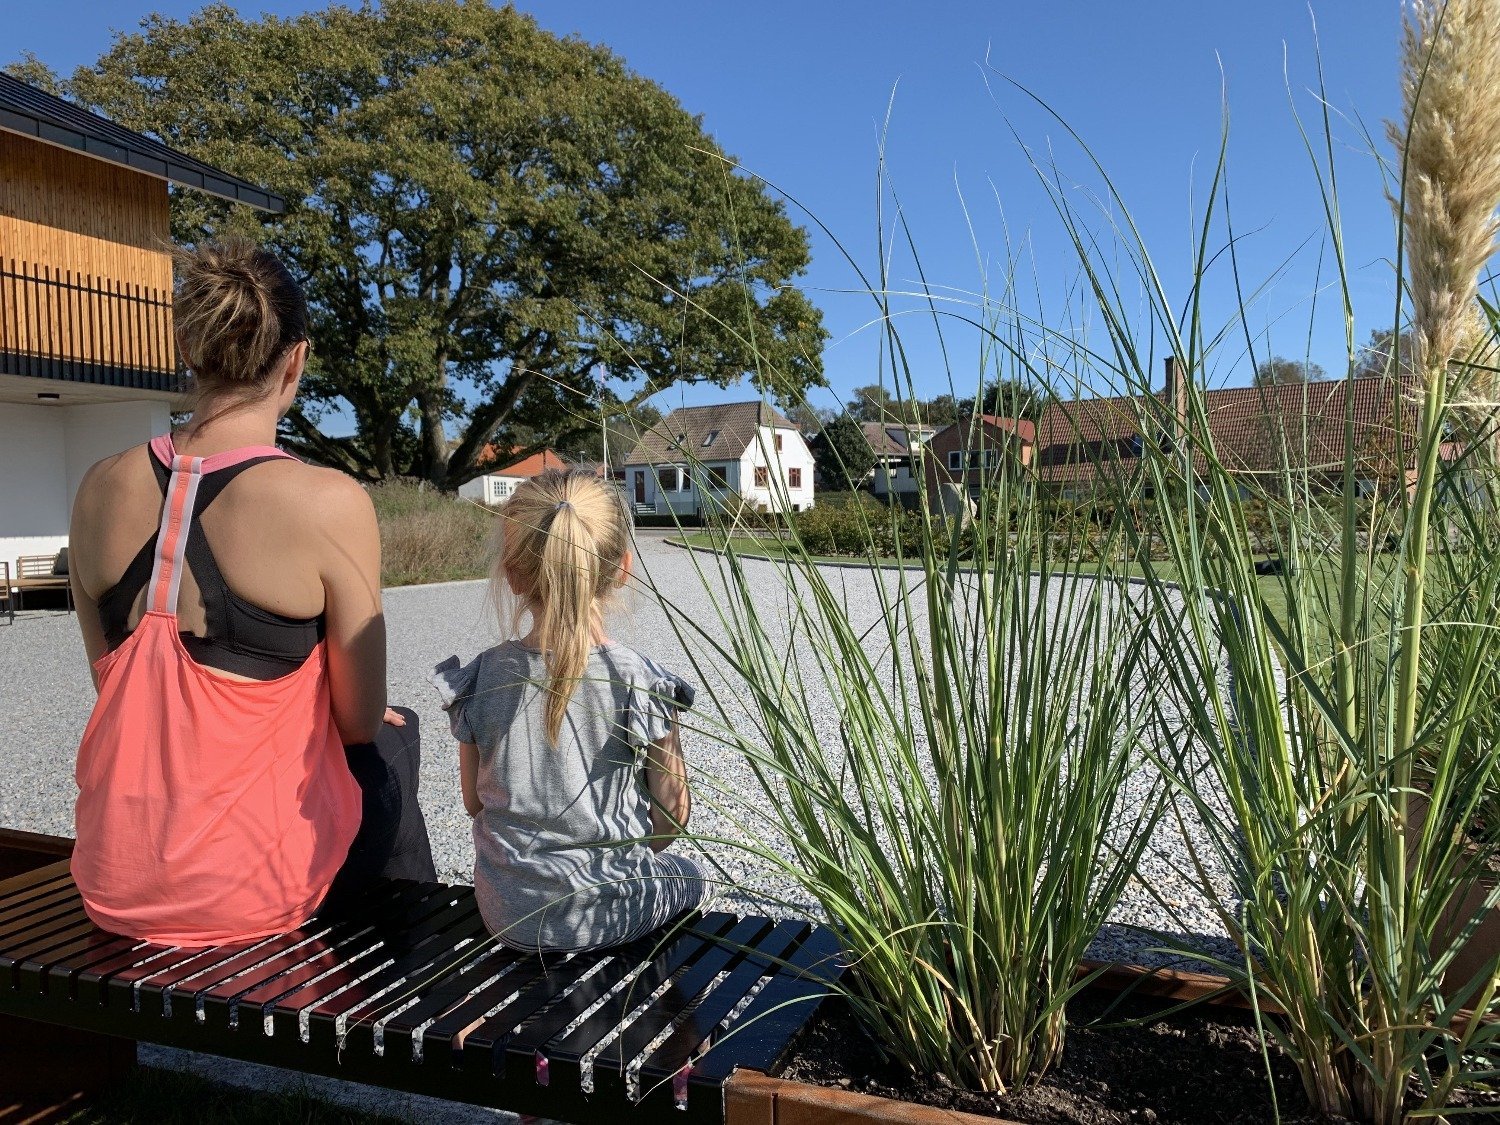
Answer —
241 638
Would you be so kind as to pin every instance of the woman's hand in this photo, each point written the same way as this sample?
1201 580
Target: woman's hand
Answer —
393 717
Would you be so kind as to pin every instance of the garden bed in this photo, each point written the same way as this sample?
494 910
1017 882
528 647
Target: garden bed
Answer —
1125 1063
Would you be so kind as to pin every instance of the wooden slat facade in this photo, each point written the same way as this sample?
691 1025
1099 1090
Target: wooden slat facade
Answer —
85 267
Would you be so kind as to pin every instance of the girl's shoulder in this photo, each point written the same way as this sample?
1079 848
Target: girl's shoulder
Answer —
646 675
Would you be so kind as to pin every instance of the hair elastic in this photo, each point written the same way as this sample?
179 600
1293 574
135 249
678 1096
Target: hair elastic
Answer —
561 504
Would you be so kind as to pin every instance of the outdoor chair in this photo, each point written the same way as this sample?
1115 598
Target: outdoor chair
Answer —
7 593
43 572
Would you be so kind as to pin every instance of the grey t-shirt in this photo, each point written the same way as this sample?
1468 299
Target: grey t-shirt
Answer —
553 865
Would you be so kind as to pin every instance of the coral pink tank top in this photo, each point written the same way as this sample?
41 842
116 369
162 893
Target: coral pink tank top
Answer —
210 810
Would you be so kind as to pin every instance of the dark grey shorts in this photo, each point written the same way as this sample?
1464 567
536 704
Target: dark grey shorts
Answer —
392 842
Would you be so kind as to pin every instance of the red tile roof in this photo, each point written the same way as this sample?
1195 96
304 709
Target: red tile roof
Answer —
1255 430
525 467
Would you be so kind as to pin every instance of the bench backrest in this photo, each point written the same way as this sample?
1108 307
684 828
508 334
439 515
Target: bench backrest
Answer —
36 566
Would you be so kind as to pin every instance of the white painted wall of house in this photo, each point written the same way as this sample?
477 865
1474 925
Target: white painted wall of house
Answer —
739 477
793 454
44 452
492 488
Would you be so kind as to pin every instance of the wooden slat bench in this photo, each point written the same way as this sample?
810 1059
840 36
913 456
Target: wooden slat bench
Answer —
407 992
39 572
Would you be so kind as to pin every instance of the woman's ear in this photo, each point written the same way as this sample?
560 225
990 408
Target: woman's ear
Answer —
291 376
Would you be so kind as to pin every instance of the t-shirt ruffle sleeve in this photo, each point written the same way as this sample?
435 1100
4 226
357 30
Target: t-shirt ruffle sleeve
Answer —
455 685
655 707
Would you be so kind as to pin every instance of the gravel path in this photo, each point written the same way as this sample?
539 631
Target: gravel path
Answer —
45 692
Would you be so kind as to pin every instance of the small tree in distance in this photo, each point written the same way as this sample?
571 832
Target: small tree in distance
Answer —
843 454
1280 371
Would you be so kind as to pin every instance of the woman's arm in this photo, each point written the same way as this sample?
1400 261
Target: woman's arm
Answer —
350 568
468 777
666 781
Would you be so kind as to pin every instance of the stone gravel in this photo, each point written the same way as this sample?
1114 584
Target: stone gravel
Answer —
46 694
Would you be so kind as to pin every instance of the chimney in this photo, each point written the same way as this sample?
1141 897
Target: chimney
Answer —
1174 393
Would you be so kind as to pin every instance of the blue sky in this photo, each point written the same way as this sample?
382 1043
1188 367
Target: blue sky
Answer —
798 92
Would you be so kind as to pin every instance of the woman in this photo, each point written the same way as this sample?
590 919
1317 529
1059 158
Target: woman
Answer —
229 597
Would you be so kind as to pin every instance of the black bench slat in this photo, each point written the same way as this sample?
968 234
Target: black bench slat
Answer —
541 1037
221 999
91 983
762 1032
38 913
16 887
687 989
59 933
177 989
484 1046
397 1031
40 973
352 935
438 1041
342 1017
145 986
292 1011
695 1034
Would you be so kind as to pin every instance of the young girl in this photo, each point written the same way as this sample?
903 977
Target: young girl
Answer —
568 743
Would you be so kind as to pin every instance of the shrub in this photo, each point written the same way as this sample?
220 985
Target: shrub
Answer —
429 536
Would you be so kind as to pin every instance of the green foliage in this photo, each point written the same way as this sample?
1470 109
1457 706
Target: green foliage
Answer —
843 454
482 214
1008 398
1279 370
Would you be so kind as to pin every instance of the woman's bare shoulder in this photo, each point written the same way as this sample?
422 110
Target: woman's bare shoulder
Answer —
323 495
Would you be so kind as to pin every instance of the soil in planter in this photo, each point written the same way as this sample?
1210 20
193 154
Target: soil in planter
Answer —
1199 1066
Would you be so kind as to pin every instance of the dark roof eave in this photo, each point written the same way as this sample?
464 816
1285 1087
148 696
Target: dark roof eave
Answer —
91 134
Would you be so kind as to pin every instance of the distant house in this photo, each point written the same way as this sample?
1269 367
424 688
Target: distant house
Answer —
970 454
496 485
896 478
87 362
1257 432
698 458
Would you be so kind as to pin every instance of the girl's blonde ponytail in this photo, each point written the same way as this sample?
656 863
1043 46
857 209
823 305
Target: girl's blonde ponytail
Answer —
563 538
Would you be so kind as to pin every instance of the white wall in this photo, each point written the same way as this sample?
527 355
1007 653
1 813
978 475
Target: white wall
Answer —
44 452
492 488
794 454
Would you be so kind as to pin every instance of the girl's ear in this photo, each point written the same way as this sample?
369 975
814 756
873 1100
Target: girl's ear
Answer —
627 560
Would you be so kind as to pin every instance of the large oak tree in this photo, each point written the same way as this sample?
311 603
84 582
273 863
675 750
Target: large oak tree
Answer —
501 232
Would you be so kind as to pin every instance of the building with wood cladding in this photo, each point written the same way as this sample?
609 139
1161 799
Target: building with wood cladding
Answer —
87 362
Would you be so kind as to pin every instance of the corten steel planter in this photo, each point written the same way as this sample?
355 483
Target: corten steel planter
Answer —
752 1098
47 1073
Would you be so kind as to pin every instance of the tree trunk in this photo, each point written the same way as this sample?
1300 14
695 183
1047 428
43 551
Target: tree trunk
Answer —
434 466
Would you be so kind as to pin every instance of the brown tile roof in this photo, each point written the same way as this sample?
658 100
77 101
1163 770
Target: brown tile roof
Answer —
893 439
1252 429
680 436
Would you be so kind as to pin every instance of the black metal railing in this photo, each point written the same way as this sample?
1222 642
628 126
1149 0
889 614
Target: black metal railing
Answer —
72 326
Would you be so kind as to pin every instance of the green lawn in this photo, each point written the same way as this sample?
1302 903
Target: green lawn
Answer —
1271 588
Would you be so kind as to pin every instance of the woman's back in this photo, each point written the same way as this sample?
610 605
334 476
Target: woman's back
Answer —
230 605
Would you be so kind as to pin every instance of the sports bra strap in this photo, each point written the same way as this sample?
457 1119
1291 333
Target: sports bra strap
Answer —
178 507
172 537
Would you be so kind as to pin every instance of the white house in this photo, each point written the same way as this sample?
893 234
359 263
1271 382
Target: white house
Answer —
495 487
698 458
87 363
